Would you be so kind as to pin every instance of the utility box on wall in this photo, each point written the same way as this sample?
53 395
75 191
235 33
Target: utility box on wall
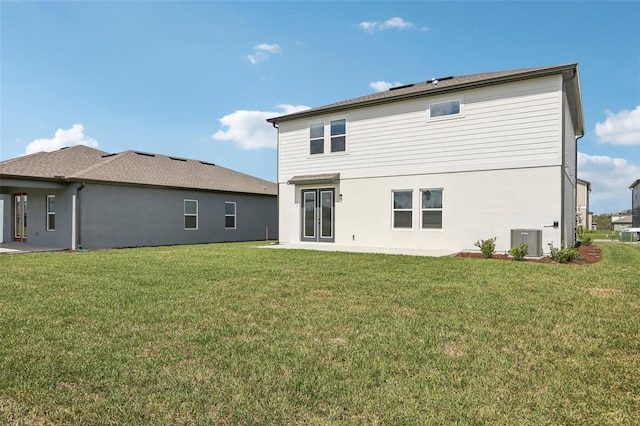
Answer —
531 237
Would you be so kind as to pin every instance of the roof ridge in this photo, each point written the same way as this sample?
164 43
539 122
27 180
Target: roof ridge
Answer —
103 160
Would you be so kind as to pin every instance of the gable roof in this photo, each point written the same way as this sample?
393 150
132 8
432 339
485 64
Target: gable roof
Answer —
451 84
84 164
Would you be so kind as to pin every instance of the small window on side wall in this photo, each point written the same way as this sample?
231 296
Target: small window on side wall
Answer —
51 212
191 214
431 208
316 138
230 215
402 209
442 109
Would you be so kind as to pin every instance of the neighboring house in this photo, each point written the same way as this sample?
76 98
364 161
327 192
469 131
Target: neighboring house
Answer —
584 217
620 222
635 203
83 197
437 164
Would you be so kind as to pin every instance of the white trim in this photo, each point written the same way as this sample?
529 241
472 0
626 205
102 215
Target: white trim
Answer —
432 209
393 210
190 215
73 222
234 215
460 113
49 213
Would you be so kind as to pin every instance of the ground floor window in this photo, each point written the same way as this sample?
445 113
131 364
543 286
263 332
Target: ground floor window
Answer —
431 208
402 209
230 215
190 214
51 212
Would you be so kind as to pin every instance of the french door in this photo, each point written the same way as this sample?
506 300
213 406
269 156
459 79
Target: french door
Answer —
318 215
20 217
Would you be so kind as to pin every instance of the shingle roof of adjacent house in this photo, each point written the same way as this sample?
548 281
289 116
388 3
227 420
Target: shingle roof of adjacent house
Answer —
443 85
81 163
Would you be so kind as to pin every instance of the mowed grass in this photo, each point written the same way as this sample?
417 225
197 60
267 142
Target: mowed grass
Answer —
235 334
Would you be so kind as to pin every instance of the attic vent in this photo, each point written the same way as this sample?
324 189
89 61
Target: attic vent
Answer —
109 155
145 154
178 159
402 87
206 163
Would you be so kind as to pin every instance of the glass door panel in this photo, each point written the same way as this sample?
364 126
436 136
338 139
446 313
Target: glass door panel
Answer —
20 217
309 215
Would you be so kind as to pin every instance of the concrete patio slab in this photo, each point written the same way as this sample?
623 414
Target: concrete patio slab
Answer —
18 248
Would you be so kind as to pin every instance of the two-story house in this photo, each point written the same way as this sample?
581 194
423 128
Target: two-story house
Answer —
583 216
437 164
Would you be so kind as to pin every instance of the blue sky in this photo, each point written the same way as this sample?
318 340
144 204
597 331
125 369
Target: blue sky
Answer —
197 79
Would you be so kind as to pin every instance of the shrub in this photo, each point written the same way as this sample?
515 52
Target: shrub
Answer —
565 255
586 239
519 252
487 247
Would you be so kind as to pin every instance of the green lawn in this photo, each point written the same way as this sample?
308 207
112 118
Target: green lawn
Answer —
234 334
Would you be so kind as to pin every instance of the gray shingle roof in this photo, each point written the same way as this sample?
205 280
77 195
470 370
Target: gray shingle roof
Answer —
432 87
81 163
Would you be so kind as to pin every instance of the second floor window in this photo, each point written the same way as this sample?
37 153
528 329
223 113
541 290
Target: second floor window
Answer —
338 135
316 133
337 131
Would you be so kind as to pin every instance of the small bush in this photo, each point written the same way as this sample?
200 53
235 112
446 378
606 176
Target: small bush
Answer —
586 239
487 247
519 252
565 255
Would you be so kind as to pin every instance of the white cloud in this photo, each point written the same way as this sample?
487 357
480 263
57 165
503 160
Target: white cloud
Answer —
250 130
610 179
381 86
62 138
622 128
261 52
396 23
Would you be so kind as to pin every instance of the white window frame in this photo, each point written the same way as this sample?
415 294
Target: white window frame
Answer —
394 210
234 215
331 151
431 209
190 215
312 139
459 114
51 213
327 137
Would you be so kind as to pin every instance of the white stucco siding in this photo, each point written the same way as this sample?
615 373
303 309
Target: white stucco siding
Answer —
512 125
476 205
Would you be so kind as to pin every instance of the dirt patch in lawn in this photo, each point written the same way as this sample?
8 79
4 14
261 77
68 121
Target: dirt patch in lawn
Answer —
605 292
586 255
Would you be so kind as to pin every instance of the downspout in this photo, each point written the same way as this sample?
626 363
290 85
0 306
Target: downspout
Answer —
76 219
275 126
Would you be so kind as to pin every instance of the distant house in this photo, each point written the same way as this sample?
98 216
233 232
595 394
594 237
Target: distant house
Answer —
584 217
83 197
620 222
635 203
437 164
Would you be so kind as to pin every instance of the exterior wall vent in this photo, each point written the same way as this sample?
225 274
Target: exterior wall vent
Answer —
531 237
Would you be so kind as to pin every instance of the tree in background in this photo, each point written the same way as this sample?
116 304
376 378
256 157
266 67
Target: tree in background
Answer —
603 221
